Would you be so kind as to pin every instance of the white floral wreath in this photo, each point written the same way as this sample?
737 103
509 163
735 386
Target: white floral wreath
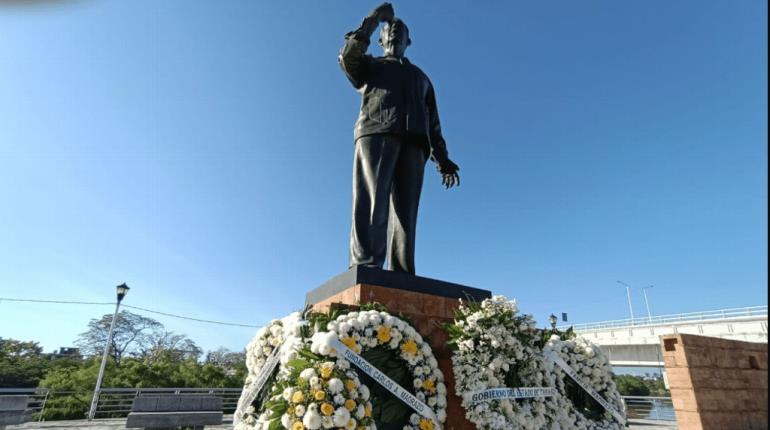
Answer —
283 333
360 331
588 361
319 395
495 343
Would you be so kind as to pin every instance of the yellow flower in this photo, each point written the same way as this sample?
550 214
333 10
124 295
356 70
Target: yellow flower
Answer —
327 409
319 395
298 426
409 347
326 371
290 411
350 385
383 334
426 424
368 410
349 342
429 385
350 404
298 397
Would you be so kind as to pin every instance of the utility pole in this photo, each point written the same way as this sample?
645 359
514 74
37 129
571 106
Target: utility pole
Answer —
630 306
647 302
122 289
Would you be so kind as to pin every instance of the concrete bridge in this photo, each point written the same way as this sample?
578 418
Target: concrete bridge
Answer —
637 342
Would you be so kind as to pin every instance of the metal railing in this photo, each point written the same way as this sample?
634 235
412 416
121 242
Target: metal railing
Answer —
113 402
116 402
721 314
37 398
649 408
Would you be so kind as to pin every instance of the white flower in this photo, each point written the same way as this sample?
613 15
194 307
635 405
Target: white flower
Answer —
364 391
299 410
351 425
312 420
307 374
287 393
341 417
432 362
321 342
315 382
336 386
286 420
343 364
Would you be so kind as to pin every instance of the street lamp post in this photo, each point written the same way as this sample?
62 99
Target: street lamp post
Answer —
553 320
122 289
647 302
630 306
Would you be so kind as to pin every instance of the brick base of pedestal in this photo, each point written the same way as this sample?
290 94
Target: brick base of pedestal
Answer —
428 313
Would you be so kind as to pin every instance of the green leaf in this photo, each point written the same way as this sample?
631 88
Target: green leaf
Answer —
275 424
298 364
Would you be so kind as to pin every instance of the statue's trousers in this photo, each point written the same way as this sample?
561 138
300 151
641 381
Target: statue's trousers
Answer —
388 172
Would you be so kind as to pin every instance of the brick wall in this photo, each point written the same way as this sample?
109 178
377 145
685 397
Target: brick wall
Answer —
717 383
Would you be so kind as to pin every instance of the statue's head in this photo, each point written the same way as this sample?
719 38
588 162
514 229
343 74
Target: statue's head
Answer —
394 38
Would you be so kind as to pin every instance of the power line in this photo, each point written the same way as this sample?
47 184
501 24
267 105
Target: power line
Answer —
65 302
191 318
74 302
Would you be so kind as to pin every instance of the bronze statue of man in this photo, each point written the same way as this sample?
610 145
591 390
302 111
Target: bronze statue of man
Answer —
397 130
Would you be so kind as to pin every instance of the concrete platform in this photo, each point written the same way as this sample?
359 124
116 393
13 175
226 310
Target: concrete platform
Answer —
120 424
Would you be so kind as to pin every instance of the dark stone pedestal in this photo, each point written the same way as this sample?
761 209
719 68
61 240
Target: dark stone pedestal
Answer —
428 303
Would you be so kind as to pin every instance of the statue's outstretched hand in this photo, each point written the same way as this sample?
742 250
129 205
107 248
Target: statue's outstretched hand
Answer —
449 175
384 12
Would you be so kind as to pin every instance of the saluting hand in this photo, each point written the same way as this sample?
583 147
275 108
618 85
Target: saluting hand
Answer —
384 12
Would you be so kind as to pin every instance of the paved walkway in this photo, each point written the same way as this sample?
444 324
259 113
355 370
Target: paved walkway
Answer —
119 424
101 424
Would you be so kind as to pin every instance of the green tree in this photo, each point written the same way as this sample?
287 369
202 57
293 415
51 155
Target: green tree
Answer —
162 369
134 336
657 386
130 336
143 354
233 363
22 364
72 387
630 385
162 341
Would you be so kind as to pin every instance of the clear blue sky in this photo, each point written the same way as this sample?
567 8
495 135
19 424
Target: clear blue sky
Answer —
201 152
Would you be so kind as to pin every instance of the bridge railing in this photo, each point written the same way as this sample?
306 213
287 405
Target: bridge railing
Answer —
45 404
116 402
721 314
650 408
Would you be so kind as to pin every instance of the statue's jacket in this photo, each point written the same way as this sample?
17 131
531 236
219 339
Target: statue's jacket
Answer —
398 97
